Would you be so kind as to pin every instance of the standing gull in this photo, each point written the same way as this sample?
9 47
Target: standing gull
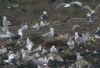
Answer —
29 44
5 21
36 26
44 16
71 44
4 29
53 49
78 38
49 34
42 24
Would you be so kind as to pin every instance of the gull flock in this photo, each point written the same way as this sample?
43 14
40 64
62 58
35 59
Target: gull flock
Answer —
51 57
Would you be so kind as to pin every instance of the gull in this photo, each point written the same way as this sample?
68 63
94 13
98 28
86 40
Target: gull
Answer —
75 3
78 38
10 57
36 26
49 34
14 36
42 24
29 44
42 61
19 35
25 27
97 33
4 29
78 56
5 21
77 35
89 17
44 16
53 49
71 44
4 33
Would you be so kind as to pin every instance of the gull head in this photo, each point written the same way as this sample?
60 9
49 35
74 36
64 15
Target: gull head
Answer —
53 46
4 17
44 12
51 29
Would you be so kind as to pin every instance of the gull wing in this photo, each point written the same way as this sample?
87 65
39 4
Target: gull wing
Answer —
76 3
87 7
62 4
98 6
